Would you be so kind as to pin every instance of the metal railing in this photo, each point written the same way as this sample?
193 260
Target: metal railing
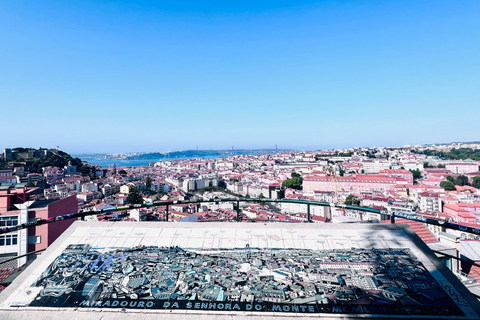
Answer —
309 203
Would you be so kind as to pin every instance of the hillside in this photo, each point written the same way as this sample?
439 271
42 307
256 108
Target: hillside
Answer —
33 160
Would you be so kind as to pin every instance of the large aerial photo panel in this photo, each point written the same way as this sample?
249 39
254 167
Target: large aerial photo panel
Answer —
285 269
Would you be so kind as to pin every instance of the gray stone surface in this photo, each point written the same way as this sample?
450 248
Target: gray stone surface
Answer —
108 235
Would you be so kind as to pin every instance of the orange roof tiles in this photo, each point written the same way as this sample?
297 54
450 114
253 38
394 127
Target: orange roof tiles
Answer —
418 227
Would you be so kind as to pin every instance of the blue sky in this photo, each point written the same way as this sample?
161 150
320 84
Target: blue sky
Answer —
126 76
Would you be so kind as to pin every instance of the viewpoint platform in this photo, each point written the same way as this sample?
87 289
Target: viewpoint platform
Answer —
143 270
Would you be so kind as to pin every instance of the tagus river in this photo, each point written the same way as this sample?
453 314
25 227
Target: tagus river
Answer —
135 163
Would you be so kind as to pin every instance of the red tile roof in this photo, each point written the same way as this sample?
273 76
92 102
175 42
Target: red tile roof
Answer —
418 227
475 272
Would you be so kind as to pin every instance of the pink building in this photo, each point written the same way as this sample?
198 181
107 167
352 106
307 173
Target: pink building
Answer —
458 214
398 173
432 181
16 208
353 184
462 167
470 207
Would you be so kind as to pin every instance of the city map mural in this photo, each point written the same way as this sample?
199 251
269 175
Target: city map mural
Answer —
348 281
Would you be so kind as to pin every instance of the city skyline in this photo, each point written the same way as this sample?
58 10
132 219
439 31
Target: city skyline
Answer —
144 76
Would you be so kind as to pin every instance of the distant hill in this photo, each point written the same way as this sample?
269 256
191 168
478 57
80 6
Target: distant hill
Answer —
197 153
455 142
177 154
33 160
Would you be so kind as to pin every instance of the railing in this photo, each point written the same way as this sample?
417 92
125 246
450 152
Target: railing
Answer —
309 203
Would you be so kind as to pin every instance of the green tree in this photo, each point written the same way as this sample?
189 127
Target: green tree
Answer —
451 179
222 184
447 185
85 170
122 172
461 180
134 198
293 183
476 182
30 184
352 200
416 174
342 172
148 183
261 196
294 174
114 169
427 165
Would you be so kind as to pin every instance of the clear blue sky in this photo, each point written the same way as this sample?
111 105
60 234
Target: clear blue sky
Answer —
120 76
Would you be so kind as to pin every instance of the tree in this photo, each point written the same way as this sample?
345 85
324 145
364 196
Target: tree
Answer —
293 183
427 165
451 179
476 182
85 170
122 172
114 169
222 184
134 198
342 172
30 184
148 183
416 174
461 180
447 185
352 200
294 174
440 166
261 196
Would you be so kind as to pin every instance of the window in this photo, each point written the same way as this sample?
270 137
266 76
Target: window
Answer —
8 240
34 239
8 221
